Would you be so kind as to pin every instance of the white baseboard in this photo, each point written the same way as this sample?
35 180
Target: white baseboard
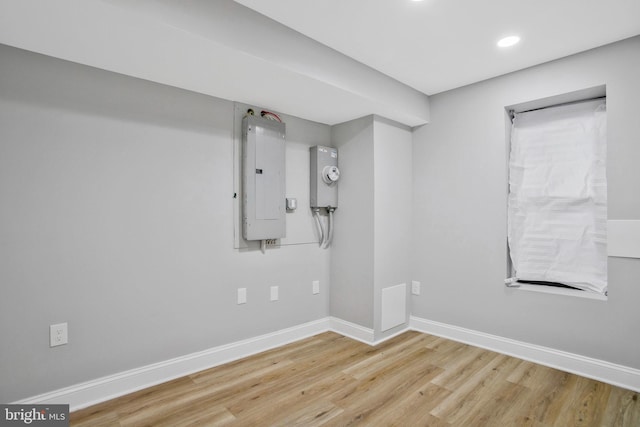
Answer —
600 370
360 333
351 330
401 331
92 392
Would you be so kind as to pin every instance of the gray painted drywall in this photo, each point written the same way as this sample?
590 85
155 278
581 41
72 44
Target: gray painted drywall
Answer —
116 216
352 279
373 222
392 212
459 247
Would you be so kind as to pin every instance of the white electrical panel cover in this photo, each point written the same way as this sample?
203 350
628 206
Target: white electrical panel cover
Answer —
263 178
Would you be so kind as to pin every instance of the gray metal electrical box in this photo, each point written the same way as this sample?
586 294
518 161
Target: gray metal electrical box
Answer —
263 178
324 177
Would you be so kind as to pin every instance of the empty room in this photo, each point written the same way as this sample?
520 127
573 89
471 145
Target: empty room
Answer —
327 213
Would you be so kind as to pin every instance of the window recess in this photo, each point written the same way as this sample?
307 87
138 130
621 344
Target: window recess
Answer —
557 203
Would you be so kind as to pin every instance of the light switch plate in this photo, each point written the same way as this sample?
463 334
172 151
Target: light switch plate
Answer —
274 293
316 287
242 295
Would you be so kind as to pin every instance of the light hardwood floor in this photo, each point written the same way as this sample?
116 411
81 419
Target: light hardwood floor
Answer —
413 379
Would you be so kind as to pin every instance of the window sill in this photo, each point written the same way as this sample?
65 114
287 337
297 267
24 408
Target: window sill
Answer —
559 291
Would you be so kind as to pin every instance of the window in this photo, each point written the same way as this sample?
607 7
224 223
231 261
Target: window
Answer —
557 205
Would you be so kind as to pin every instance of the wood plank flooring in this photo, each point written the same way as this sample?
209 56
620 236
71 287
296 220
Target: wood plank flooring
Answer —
413 379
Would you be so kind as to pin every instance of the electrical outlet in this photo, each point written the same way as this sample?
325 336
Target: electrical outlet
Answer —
242 295
316 287
58 335
274 293
415 288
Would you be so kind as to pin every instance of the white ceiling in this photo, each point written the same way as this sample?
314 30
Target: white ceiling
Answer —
437 45
217 48
353 58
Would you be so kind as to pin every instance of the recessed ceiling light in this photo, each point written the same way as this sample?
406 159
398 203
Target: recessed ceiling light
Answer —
508 41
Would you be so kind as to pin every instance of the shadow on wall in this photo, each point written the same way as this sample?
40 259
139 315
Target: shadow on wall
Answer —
75 86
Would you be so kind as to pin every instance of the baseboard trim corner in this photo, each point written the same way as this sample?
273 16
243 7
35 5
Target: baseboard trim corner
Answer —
611 373
352 330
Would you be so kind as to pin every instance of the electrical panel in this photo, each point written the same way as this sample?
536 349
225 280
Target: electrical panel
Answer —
324 177
263 155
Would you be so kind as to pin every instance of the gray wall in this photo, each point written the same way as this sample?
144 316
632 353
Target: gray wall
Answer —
352 280
460 188
392 212
371 249
116 216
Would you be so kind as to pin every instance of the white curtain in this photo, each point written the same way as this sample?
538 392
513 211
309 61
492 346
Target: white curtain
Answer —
557 220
